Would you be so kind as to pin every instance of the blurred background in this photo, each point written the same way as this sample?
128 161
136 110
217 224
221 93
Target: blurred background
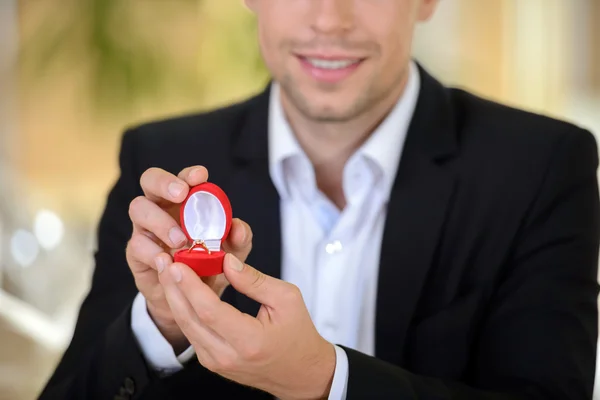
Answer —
75 73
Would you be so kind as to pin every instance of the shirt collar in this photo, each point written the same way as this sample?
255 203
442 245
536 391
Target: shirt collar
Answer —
385 145
282 143
383 148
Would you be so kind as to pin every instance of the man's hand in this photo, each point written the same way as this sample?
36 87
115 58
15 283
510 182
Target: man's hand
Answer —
157 235
279 351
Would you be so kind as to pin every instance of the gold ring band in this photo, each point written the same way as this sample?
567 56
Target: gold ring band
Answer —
199 243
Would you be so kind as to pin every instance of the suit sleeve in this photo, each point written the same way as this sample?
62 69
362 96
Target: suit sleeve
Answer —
157 351
103 359
540 334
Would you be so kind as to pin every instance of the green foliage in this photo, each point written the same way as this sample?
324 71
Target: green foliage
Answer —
103 40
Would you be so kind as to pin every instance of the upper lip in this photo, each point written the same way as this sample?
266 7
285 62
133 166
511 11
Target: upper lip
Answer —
330 56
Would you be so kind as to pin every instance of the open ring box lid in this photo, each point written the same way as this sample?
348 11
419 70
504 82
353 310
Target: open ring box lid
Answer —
205 215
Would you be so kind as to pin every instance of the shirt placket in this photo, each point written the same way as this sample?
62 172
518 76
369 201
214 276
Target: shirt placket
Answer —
337 284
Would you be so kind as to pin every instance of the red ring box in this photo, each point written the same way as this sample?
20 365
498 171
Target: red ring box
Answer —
205 215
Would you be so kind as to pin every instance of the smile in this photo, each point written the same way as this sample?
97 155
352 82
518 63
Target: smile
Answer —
331 64
330 69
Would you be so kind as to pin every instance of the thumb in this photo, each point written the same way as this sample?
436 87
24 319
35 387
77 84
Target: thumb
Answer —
251 282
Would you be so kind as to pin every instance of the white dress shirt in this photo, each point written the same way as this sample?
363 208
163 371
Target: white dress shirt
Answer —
331 255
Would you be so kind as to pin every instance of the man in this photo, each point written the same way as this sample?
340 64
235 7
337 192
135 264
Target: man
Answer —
409 241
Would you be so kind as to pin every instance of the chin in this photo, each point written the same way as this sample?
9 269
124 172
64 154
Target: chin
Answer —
334 108
329 114
325 104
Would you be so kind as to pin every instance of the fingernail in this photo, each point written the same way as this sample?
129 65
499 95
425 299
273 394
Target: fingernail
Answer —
175 189
244 235
176 235
175 273
234 263
193 172
160 264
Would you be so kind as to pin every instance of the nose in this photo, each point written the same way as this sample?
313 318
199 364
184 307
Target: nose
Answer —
333 16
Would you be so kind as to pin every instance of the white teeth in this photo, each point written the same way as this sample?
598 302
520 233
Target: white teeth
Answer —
330 64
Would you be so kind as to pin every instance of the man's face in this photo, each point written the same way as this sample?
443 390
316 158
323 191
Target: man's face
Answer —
335 59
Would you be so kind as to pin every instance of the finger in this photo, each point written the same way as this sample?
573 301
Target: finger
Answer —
160 186
233 326
143 250
150 217
161 261
197 333
150 235
263 288
194 175
218 283
239 240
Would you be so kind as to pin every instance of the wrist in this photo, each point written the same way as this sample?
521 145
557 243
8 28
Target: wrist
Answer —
313 380
324 373
176 339
169 329
329 370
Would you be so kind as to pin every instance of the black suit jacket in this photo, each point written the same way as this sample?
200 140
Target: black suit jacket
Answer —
487 282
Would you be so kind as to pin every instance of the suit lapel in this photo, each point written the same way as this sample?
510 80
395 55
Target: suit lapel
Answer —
253 196
416 212
417 209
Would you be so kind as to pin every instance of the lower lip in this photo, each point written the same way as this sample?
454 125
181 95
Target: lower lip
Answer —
328 75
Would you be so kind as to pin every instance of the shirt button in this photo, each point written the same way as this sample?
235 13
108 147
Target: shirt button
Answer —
334 247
